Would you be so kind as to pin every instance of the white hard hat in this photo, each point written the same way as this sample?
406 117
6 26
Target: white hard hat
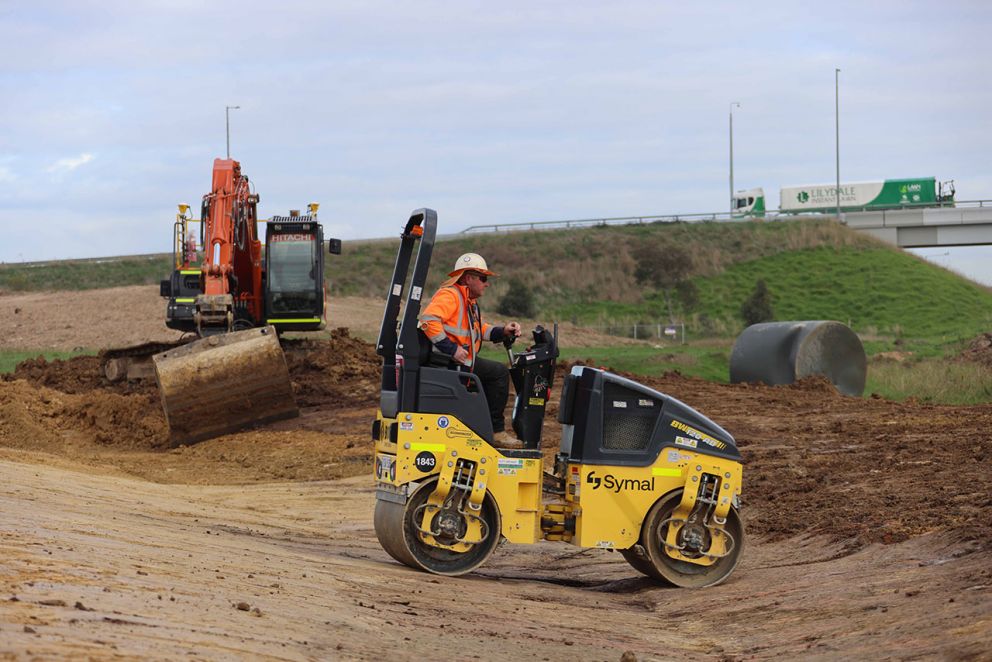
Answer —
470 262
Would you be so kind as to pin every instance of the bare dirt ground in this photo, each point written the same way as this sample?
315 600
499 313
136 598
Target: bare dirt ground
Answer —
123 316
869 524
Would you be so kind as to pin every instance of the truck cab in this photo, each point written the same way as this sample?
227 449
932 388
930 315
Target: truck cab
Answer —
749 203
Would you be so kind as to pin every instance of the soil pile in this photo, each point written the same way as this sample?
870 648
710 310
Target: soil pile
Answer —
341 371
67 408
42 419
80 374
336 373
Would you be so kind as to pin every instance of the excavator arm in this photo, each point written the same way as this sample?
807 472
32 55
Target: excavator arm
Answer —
232 254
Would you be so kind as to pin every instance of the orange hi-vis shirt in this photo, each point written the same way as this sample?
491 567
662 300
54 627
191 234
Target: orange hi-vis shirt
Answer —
452 315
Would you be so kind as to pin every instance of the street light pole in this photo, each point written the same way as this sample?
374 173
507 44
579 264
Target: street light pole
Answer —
227 122
732 104
837 130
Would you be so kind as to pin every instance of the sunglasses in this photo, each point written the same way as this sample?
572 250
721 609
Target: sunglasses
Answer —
483 277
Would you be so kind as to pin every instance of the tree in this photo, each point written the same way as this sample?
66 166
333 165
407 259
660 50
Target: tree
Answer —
757 308
666 268
518 300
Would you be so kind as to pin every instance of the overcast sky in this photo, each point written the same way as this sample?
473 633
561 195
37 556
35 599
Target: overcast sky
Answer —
487 112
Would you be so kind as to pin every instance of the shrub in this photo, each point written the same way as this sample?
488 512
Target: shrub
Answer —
757 308
518 300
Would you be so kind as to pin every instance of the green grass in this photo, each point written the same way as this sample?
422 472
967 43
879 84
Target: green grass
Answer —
85 274
874 291
708 362
931 378
877 291
10 358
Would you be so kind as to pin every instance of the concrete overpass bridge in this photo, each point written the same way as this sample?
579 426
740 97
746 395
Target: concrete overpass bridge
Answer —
966 224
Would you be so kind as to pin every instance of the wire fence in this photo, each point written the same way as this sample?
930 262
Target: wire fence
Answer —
642 331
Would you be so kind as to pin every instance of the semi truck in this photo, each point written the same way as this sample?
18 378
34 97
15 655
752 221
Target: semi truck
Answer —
858 196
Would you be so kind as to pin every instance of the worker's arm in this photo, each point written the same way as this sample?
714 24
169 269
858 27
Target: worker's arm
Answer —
498 333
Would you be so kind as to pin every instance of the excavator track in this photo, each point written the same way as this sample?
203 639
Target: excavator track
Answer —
134 362
224 383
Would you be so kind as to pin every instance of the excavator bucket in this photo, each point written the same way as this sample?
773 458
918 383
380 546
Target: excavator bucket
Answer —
224 383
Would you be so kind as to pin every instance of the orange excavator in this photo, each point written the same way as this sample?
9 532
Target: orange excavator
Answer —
237 301
237 286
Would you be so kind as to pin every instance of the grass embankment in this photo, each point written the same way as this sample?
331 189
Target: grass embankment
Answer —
84 274
814 270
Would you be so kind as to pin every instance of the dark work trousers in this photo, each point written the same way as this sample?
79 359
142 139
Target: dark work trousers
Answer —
495 378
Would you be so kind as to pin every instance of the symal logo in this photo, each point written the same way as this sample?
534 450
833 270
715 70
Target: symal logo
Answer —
617 485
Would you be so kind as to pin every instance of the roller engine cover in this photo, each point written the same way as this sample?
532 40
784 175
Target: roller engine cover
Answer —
613 420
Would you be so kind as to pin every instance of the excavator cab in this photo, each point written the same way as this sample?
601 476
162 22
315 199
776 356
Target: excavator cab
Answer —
637 471
294 273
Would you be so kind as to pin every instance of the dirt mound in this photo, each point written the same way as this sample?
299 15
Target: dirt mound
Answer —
979 350
79 374
336 373
42 419
815 383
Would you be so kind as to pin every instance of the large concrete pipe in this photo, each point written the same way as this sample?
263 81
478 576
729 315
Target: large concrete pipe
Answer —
782 352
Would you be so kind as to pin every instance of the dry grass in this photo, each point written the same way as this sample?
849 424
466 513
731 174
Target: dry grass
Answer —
931 380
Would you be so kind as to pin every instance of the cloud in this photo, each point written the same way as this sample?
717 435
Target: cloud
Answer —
487 112
69 164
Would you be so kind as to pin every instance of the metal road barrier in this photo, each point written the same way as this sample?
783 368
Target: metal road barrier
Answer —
725 217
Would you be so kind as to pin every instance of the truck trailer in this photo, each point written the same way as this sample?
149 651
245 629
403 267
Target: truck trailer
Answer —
858 196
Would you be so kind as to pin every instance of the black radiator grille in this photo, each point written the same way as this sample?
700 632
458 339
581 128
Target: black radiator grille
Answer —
628 418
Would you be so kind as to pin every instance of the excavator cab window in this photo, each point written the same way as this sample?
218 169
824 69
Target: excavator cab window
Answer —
292 273
295 270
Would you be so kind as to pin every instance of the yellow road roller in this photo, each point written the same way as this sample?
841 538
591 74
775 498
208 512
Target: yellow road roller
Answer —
637 470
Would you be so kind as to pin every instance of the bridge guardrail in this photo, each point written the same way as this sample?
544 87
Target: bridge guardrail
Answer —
696 218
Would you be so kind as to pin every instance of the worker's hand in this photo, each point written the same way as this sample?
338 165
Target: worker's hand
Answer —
461 356
512 327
